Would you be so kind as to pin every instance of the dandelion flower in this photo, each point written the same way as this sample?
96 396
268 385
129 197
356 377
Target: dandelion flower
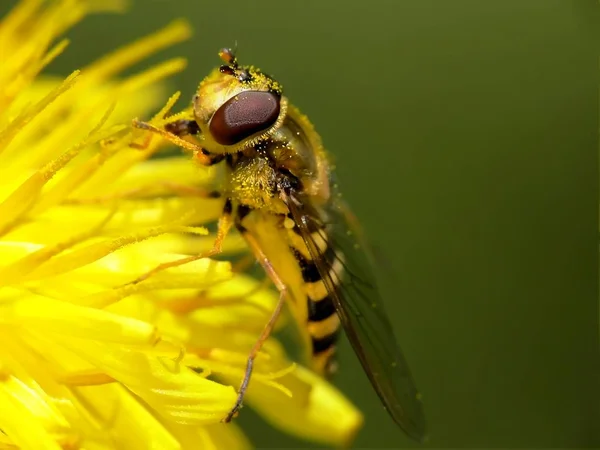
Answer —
90 359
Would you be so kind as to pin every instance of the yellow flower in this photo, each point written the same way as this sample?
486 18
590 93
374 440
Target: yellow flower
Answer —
88 358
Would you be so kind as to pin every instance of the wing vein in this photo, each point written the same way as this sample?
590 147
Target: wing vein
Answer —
360 308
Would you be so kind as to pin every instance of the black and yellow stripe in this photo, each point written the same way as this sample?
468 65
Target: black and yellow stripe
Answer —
323 323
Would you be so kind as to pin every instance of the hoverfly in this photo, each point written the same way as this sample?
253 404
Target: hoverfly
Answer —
281 199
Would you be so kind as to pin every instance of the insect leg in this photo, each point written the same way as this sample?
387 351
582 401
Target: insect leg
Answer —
173 133
166 134
225 223
183 127
266 332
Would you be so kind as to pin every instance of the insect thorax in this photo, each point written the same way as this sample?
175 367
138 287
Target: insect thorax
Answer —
292 156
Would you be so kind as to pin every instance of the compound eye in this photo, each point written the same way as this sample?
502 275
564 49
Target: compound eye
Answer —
244 115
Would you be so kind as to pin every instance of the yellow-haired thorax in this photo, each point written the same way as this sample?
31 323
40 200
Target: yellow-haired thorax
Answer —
215 112
254 183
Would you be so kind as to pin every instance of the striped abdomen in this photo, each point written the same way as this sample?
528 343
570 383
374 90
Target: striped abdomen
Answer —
323 322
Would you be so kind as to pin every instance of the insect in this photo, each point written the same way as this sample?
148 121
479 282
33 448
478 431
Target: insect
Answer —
280 197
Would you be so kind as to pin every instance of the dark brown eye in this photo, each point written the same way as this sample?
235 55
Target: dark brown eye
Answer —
244 115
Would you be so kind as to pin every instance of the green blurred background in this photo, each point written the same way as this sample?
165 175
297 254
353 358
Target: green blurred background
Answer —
466 139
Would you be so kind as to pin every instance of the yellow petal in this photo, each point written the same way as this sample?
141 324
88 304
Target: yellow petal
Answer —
317 411
211 437
172 390
49 316
20 420
122 419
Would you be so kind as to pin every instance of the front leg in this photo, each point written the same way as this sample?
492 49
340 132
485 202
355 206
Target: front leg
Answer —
183 127
165 133
224 226
276 279
173 132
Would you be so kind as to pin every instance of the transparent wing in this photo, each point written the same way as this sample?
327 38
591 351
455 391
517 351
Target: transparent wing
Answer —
360 307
